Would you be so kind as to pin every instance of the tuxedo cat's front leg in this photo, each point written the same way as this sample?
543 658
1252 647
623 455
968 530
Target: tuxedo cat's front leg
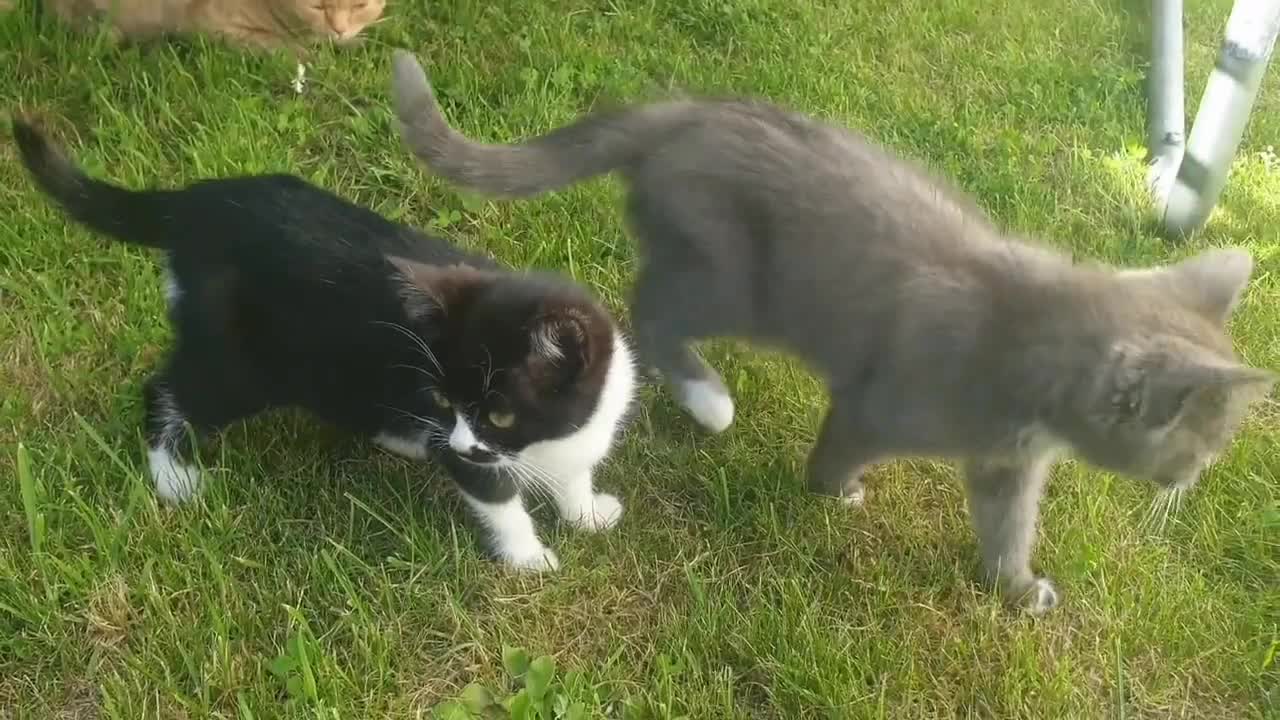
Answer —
1004 501
581 506
493 497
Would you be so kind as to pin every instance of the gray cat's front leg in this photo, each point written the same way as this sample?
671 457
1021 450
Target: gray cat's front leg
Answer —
1004 501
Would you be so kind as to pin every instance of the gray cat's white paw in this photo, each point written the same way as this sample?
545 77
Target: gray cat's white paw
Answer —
1040 598
854 498
604 513
536 559
707 402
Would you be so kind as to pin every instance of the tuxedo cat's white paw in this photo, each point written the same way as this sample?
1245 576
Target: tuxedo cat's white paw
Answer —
707 402
604 512
175 481
1041 597
535 559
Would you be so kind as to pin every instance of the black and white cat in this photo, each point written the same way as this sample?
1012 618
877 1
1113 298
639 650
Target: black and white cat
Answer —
284 294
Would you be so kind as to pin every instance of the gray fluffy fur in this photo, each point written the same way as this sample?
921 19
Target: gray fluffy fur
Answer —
937 334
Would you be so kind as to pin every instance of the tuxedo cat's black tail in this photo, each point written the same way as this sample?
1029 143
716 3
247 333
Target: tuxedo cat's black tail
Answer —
130 216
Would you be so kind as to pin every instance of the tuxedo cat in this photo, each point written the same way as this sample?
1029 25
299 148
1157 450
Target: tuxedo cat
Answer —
937 333
283 294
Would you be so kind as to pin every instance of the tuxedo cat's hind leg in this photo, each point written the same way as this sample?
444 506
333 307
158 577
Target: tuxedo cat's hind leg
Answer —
205 392
1004 501
169 448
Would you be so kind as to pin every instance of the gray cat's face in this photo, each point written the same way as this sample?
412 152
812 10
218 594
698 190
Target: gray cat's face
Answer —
1167 401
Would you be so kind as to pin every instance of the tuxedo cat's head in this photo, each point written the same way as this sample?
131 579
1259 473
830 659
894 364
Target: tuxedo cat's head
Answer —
522 361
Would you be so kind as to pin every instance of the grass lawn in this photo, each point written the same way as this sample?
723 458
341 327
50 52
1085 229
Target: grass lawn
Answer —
726 592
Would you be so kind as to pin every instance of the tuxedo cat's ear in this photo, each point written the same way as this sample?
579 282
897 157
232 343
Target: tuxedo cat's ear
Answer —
413 281
559 343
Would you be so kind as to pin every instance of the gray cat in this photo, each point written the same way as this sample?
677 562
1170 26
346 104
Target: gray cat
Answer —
938 335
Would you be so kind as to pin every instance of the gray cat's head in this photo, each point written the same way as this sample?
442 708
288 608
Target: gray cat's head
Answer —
1168 393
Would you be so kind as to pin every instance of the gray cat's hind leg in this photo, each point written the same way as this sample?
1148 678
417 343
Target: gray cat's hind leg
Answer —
668 317
1004 501
840 455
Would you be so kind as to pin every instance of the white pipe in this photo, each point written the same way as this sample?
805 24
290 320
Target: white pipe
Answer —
1224 111
1166 121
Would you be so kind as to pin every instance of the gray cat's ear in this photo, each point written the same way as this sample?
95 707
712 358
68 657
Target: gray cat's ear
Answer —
412 284
1213 281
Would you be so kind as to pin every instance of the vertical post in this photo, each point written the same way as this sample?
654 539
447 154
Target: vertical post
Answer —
1166 121
1224 111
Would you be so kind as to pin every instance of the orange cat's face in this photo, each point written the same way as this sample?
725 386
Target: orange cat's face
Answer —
341 20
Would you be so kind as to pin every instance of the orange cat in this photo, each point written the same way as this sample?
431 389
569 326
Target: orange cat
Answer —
262 23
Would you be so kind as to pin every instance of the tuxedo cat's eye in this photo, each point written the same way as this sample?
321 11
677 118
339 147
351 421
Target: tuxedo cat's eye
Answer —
501 419
439 398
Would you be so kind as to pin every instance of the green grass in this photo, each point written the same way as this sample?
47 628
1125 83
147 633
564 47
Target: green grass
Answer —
726 591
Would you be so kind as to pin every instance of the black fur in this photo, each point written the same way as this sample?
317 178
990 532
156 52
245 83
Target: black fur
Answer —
289 295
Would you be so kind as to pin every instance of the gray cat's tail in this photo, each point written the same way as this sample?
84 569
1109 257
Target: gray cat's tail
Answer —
126 215
593 145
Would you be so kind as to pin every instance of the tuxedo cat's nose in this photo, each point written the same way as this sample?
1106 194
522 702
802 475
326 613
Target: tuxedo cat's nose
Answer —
463 441
479 456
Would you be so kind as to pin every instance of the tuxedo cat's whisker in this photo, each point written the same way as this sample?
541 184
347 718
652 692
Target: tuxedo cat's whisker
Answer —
417 340
533 480
554 485
336 276
426 422
419 369
530 482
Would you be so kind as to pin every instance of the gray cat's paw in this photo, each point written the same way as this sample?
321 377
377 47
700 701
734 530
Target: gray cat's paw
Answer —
1040 598
854 497
708 403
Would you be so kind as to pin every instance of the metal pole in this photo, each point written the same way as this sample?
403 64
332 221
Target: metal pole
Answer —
1166 121
1224 111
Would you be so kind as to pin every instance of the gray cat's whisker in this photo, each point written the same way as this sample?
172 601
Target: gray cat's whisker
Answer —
939 333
